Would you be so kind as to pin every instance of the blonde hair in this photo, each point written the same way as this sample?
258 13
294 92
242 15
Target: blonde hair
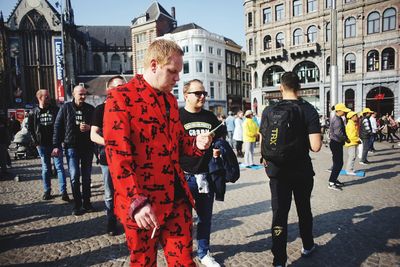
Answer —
40 92
161 50
186 86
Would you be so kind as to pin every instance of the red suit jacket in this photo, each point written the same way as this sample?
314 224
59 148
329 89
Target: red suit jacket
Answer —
143 143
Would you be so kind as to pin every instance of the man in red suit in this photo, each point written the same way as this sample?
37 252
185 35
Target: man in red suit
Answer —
144 139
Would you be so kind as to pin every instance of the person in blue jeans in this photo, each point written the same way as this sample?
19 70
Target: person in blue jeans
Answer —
72 127
195 121
41 127
96 135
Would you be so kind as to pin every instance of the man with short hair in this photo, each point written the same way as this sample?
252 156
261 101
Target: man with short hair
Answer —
365 134
96 135
72 127
230 126
144 140
337 136
197 120
41 128
294 174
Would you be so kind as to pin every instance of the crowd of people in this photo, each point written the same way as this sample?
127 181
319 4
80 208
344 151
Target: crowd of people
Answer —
158 160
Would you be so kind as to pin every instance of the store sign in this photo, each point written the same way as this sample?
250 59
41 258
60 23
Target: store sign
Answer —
59 54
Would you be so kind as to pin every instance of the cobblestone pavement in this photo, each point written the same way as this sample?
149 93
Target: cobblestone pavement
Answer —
358 226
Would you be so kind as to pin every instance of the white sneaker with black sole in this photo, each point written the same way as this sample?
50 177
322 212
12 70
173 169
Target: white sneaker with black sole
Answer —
334 186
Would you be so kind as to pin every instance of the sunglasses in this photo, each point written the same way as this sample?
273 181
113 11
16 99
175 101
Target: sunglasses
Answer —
199 93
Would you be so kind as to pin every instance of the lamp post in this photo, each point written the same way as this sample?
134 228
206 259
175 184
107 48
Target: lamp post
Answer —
334 67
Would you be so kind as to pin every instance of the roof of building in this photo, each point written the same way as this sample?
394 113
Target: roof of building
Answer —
186 27
154 11
17 4
231 42
112 35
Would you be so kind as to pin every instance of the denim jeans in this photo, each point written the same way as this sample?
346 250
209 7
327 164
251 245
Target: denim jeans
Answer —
204 206
366 146
76 158
108 193
45 158
282 189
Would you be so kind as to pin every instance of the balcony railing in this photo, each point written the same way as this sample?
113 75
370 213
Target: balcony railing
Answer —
304 49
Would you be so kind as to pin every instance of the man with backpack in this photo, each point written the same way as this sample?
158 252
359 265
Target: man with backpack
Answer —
289 130
196 120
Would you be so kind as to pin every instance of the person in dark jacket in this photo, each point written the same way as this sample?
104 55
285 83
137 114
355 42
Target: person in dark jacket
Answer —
72 127
41 127
337 135
365 134
4 143
195 121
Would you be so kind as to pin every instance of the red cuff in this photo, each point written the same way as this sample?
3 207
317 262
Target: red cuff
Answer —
137 203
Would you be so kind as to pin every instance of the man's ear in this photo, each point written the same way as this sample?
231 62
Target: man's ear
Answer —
281 88
153 65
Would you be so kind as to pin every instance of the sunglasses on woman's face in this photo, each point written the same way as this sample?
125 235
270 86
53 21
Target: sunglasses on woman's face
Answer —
199 93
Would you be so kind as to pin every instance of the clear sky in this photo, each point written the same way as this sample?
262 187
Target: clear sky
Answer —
223 17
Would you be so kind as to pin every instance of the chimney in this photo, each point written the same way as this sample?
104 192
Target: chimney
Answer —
173 12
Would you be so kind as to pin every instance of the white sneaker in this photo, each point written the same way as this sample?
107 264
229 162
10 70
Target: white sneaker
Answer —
209 261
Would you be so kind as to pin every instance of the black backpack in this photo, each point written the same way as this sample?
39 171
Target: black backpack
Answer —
282 128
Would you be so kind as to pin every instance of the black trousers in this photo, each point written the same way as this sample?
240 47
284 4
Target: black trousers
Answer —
337 158
281 198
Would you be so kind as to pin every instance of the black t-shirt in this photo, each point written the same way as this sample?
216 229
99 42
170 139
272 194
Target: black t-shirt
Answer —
98 116
194 124
46 124
83 138
301 167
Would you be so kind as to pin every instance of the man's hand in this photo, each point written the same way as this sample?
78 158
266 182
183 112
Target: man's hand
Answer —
216 152
203 141
146 218
56 152
84 127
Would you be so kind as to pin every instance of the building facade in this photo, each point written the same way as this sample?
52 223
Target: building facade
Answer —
246 83
233 75
295 36
204 59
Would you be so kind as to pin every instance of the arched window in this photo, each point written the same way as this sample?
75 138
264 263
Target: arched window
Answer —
388 59
389 19
297 37
328 66
372 60
267 42
350 63
328 32
312 34
373 23
280 40
250 46
98 69
116 63
307 71
350 27
272 76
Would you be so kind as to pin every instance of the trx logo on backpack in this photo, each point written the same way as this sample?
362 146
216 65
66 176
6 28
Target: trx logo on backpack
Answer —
281 127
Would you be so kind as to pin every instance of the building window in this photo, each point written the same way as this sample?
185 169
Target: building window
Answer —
297 37
267 42
186 67
249 19
175 91
211 50
219 51
198 48
212 90
219 68
272 76
280 40
307 71
373 60
267 15
185 49
350 27
140 55
373 23
328 32
211 67
349 98
279 12
141 38
311 5
297 8
250 46
350 63
349 1
328 3
389 19
388 59
116 63
199 66
312 34
328 66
